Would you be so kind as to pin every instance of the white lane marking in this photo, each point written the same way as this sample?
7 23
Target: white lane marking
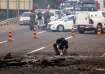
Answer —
41 32
103 55
100 69
5 41
36 50
68 37
45 47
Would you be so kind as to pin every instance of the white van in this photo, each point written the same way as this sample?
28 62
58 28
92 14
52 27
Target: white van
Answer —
90 20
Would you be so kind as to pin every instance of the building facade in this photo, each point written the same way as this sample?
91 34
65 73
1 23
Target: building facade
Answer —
16 4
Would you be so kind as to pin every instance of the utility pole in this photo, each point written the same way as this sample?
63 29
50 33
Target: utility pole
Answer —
74 11
7 9
18 10
30 5
18 7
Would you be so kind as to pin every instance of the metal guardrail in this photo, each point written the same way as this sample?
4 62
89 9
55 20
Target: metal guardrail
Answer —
10 21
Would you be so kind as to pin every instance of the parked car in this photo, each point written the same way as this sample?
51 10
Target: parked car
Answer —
65 23
25 18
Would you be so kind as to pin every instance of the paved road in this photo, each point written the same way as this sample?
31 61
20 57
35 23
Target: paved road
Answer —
82 44
24 41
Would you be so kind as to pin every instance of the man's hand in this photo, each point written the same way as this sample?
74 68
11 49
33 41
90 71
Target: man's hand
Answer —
61 52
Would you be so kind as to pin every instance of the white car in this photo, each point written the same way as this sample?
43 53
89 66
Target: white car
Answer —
25 18
65 23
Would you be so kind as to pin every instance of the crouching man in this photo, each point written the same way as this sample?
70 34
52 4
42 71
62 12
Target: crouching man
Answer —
61 46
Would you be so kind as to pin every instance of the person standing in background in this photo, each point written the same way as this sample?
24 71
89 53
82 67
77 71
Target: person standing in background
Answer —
33 23
46 19
40 21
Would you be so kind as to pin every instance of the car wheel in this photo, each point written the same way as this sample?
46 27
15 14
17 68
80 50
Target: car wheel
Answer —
60 28
81 30
99 26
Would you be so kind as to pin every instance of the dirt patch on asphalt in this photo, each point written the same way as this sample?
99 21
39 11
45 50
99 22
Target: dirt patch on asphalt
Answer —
53 65
71 69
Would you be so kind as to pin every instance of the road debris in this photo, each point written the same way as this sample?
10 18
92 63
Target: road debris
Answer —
51 61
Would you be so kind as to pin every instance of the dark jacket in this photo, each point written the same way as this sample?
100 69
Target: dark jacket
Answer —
62 43
39 16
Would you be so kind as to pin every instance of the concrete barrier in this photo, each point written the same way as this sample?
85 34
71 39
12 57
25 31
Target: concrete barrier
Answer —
10 21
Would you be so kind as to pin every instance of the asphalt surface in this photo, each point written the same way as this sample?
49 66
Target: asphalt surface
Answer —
88 44
24 42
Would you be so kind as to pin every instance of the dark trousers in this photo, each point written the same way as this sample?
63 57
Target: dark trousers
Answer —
56 49
57 52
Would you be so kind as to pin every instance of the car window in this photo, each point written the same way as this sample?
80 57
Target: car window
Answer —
51 14
103 13
26 15
71 18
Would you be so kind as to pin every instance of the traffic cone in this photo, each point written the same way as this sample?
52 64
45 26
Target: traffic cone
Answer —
10 36
99 31
34 34
72 32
